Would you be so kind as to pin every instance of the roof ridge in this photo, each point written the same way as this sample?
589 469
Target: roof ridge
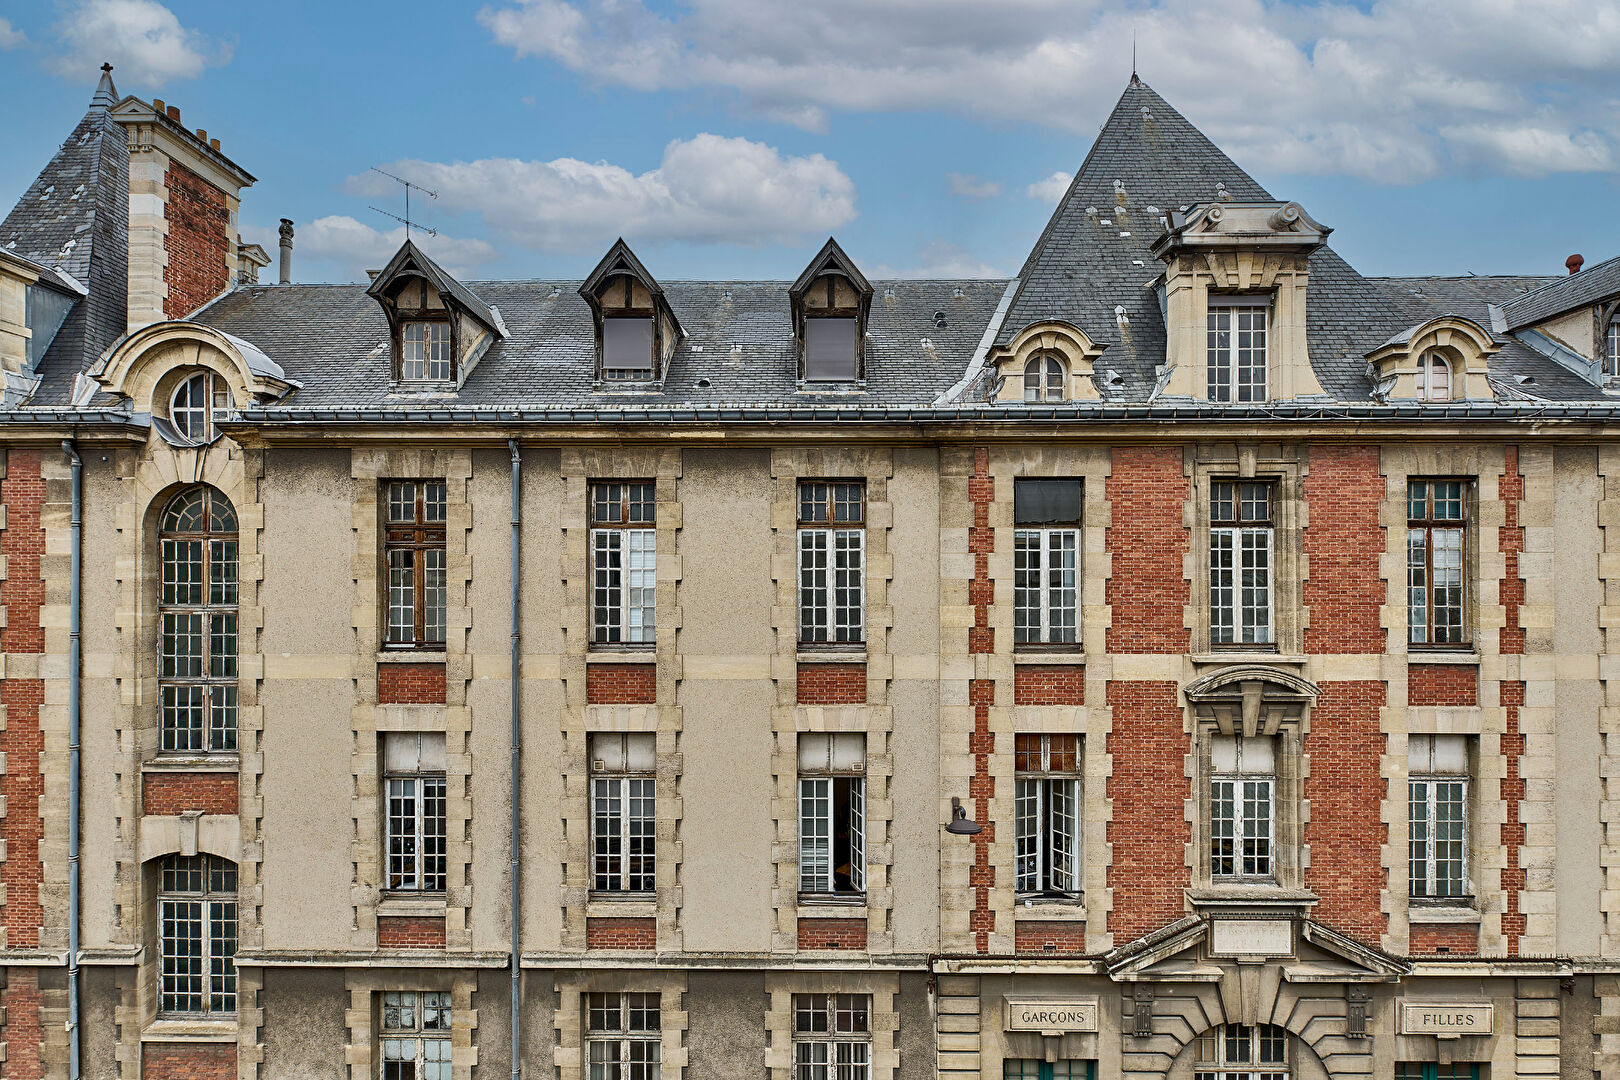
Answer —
1565 279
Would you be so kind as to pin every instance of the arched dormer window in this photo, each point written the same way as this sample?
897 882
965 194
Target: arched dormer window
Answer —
636 331
197 616
1043 379
196 403
831 300
1433 378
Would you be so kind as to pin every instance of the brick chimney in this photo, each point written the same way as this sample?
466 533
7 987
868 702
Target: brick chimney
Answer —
184 194
1574 263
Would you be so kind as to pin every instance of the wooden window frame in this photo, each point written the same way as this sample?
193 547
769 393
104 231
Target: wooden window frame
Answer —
1050 368
1236 529
834 538
420 536
419 1034
219 620
616 1044
215 906
632 541
854 1037
1227 360
1042 765
1429 523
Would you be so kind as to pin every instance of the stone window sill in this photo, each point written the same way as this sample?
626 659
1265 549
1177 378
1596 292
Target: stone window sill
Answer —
1459 912
832 656
637 653
1049 909
205 763
853 908
1439 657
411 656
631 906
431 907
1246 656
1021 657
221 1031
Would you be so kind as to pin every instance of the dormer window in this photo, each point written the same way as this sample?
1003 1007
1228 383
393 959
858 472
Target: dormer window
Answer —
425 352
636 331
830 303
1237 347
1043 379
198 402
1611 352
1433 378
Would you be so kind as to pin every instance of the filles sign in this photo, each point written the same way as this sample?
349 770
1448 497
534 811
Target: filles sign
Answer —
1051 1014
1446 1020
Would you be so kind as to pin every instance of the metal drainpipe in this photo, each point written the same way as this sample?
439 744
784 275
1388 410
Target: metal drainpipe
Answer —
517 771
74 629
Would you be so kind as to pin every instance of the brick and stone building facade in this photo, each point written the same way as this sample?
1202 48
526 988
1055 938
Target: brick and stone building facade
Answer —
1188 657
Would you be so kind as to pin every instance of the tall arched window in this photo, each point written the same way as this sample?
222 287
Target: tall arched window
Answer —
1611 350
1242 1052
1043 379
197 935
197 599
1433 378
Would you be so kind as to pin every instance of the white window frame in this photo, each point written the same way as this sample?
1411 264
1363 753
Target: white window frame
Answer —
1046 831
425 358
832 574
1233 1051
193 421
1611 347
1427 852
422 1046
1428 387
1427 559
198 627
1234 798
1234 377
1237 551
207 913
1036 601
839 1050
410 835
624 574
623 1051
624 815
1044 378
820 787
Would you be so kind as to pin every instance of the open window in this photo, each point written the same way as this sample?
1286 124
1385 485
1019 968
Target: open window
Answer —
438 328
832 816
636 331
830 301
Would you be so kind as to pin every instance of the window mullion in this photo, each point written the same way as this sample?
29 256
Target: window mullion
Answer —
419 787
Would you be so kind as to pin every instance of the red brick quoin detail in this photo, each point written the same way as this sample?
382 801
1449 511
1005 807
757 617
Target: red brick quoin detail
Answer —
1346 791
410 931
199 229
981 694
167 794
832 684
832 933
20 1031
1051 938
1344 542
621 684
22 592
1442 684
1148 542
188 1061
1149 786
1453 940
1511 641
410 684
1057 684
615 933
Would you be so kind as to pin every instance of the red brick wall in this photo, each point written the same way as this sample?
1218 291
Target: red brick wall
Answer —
1346 791
616 933
1149 787
1453 940
981 694
1050 938
832 684
1442 684
1344 542
1511 696
22 592
1148 541
410 684
1055 684
832 933
20 1030
167 794
199 235
188 1061
621 684
410 931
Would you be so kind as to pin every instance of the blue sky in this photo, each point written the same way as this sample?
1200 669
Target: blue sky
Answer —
725 138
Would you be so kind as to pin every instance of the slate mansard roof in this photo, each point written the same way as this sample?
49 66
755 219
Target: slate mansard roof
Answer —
927 339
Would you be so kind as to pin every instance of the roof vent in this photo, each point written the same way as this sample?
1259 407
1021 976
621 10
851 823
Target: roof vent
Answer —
725 297
1147 113
555 292
1574 263
888 294
703 384
1091 211
928 343
956 293
1221 193
1120 316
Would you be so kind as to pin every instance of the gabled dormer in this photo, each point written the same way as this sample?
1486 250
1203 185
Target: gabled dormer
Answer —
636 331
1234 292
1444 359
830 302
438 329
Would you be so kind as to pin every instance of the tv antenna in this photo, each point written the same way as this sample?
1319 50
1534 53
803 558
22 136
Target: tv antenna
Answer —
409 187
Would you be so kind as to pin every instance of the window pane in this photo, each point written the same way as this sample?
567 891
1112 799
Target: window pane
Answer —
182 571
849 547
627 348
182 718
813 589
402 596
607 585
815 834
1046 503
607 824
640 585
829 350
433 595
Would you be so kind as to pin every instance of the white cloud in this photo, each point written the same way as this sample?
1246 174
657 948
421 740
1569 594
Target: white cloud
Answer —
1392 90
707 189
356 247
10 37
1051 189
968 186
941 259
142 38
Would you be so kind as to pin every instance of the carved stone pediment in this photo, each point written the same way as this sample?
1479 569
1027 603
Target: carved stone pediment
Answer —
1251 699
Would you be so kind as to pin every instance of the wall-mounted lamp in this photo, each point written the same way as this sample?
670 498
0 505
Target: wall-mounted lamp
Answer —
959 824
